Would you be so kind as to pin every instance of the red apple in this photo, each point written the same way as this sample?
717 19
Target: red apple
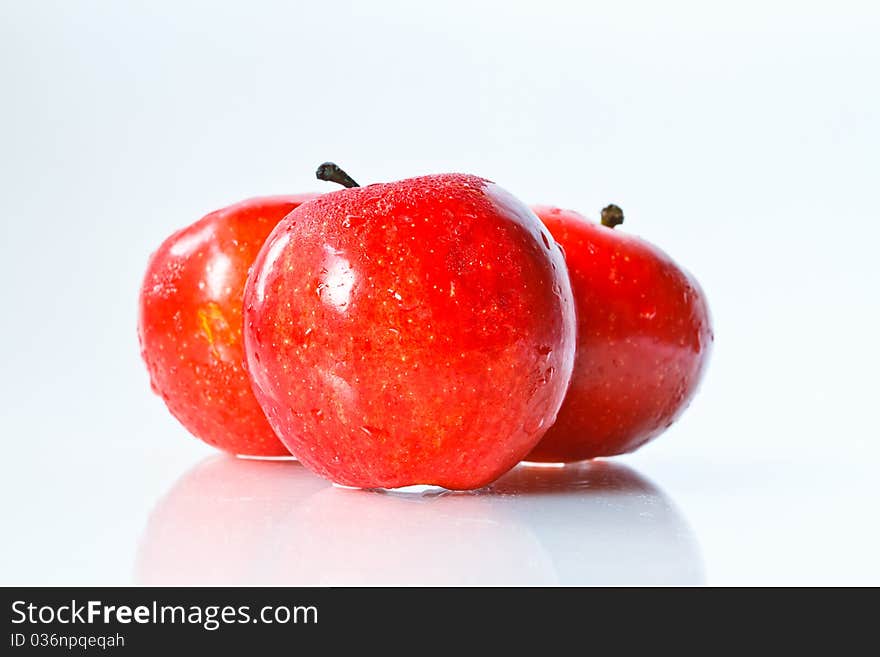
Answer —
191 321
415 332
644 337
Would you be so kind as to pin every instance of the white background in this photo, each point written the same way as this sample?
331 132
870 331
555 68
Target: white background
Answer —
742 138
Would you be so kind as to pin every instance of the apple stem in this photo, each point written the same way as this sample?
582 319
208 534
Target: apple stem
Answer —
612 216
331 172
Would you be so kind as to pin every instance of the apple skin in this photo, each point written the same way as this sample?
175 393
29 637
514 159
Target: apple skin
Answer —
415 332
644 339
190 324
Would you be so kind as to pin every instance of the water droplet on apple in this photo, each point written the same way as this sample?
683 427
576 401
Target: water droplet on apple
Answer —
353 221
374 432
534 424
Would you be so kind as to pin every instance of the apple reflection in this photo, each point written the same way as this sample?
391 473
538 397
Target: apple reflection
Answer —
237 522
602 523
218 523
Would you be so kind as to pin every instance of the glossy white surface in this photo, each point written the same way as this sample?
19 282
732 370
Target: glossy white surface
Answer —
233 521
745 143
